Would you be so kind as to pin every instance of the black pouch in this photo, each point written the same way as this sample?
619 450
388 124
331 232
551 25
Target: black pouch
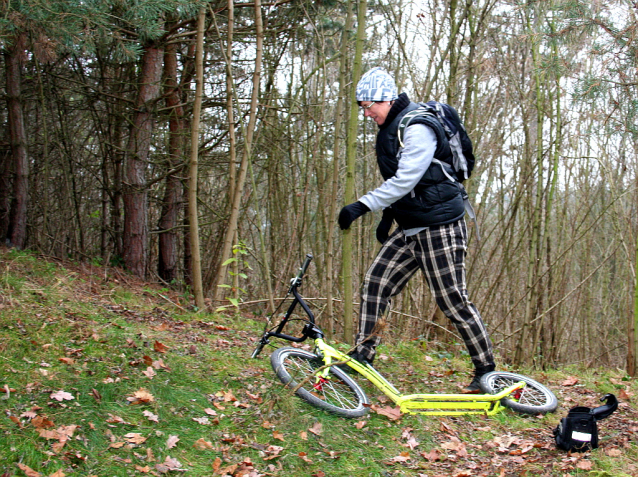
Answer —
578 432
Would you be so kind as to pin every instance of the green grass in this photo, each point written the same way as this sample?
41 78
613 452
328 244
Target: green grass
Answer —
92 333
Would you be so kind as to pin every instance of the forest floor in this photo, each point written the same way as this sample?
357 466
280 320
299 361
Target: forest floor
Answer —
104 375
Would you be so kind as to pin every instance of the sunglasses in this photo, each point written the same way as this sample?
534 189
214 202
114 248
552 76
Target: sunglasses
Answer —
365 108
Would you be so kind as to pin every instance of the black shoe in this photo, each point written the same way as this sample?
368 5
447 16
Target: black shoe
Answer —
356 356
474 387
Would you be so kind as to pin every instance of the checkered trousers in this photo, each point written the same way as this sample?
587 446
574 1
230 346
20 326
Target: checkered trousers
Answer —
440 252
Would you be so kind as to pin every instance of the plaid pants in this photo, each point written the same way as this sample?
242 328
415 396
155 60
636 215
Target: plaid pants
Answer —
440 252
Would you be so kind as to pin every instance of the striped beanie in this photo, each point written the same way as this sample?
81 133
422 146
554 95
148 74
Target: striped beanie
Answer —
376 85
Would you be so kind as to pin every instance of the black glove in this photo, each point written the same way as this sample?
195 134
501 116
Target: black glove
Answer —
350 213
383 229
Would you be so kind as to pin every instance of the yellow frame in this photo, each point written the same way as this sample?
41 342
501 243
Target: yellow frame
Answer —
429 404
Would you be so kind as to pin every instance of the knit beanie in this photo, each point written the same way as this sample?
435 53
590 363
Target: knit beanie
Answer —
376 85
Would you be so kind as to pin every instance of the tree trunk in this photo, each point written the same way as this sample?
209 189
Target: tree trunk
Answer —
192 181
135 194
173 193
17 230
351 155
231 229
332 215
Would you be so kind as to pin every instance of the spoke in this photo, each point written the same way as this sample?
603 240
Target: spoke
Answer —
330 390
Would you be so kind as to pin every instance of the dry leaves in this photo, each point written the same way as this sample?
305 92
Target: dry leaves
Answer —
62 396
142 396
316 428
392 413
160 347
202 444
150 416
135 438
172 442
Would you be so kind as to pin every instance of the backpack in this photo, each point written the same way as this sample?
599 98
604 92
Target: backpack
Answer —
460 142
578 432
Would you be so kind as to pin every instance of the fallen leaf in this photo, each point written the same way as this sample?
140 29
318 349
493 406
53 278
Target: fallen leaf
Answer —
58 473
29 472
316 428
113 419
116 445
96 394
570 381
412 443
169 464
432 456
135 438
41 422
149 373
624 395
391 413
145 470
304 457
62 396
16 421
403 457
202 444
229 397
67 360
212 412
360 424
584 465
278 435
150 416
160 347
142 396
202 420
613 452
159 364
172 442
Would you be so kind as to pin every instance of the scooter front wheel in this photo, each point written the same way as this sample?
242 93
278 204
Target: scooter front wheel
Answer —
336 392
534 398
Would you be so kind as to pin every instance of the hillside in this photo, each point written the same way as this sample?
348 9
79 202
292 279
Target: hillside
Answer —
103 375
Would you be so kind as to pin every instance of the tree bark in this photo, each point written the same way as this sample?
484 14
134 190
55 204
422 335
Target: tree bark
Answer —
135 238
332 215
351 155
173 191
192 181
231 229
17 230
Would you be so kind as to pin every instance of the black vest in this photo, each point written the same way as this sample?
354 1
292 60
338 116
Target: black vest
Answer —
436 200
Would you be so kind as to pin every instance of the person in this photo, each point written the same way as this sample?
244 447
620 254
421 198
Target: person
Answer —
428 206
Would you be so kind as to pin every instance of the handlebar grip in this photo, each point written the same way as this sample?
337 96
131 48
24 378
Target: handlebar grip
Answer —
306 263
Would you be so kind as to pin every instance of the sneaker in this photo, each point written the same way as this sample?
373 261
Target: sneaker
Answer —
474 387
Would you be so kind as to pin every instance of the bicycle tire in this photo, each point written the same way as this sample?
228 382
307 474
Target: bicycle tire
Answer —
340 395
533 399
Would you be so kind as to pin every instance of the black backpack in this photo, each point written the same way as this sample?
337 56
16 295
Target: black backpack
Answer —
578 432
460 142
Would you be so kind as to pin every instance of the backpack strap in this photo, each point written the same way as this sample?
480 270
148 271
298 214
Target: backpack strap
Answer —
425 111
405 122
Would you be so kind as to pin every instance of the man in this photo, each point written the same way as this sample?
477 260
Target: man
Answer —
429 209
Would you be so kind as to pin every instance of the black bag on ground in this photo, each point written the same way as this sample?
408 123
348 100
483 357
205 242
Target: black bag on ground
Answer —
578 432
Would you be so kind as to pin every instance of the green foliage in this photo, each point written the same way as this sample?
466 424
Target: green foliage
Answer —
239 250
118 28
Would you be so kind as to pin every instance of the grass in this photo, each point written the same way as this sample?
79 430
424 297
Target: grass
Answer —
78 343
